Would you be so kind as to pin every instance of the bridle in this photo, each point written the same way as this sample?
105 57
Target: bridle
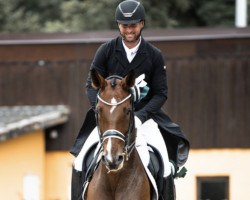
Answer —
111 133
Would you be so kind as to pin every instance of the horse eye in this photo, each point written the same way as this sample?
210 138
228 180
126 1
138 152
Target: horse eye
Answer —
98 110
128 110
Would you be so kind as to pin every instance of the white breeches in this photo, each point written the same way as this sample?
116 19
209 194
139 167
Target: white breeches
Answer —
147 133
152 135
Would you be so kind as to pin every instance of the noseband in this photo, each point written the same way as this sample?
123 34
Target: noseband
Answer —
111 133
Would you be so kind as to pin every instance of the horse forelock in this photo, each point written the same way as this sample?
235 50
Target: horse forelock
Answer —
113 83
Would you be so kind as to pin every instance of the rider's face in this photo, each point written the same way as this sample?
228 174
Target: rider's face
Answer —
131 32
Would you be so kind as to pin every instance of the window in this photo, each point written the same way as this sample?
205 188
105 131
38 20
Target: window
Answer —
213 188
31 187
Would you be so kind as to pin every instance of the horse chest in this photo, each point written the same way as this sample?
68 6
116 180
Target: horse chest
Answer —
119 186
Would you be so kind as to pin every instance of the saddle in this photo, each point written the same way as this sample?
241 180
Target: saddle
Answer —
156 166
90 163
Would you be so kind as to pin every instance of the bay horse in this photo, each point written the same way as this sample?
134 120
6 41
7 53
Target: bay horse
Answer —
120 174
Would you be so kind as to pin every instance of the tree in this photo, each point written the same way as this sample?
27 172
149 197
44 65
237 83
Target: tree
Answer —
79 15
27 15
220 13
203 13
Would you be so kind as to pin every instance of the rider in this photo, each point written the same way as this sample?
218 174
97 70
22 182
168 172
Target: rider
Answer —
118 57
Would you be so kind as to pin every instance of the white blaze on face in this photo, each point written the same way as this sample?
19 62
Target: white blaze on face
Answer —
109 146
113 100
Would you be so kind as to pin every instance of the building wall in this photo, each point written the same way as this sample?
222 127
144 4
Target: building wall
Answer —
58 175
234 163
22 160
25 156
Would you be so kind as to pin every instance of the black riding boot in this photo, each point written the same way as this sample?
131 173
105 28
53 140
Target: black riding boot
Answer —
168 191
76 184
80 178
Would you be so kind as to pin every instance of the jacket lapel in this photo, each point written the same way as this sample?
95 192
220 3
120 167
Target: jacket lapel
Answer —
122 57
120 53
140 56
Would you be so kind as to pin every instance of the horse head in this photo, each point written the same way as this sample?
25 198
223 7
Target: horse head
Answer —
115 118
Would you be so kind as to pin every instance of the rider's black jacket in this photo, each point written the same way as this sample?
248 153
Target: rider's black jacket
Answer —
111 59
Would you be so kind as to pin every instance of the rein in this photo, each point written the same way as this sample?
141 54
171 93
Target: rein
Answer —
128 148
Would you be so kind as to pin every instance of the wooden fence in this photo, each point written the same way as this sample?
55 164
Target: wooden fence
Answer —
208 80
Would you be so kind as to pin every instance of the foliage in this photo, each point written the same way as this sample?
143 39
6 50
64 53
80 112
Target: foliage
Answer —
78 15
221 14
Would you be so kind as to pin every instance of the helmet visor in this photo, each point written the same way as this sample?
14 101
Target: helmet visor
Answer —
128 21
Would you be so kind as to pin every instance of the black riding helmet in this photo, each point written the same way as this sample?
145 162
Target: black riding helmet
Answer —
129 12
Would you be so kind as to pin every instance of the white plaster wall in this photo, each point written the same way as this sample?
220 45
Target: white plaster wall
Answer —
234 163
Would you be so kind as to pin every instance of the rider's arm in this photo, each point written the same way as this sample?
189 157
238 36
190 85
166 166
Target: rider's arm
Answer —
91 92
158 89
98 64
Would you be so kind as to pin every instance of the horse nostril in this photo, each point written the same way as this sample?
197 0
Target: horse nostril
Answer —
120 158
103 159
107 161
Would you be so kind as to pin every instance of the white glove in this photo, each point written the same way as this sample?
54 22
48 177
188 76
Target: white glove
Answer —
139 82
139 85
136 93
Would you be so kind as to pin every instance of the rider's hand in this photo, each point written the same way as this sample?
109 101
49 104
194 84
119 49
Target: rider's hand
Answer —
136 93
140 90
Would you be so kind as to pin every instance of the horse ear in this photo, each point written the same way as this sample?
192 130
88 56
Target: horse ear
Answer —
97 80
129 80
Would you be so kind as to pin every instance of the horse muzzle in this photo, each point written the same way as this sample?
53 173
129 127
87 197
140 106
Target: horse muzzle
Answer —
114 163
113 156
